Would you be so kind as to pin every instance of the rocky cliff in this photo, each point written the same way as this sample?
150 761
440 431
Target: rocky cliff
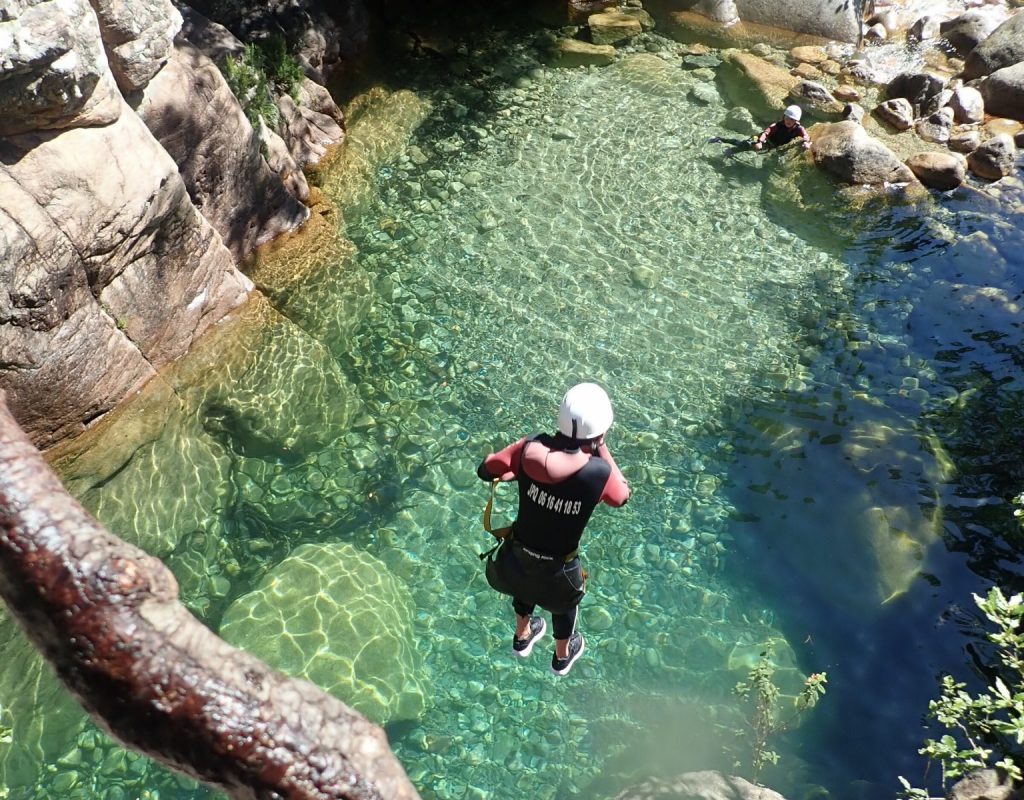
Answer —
131 186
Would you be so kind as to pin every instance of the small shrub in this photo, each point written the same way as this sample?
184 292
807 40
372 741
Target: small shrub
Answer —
986 730
246 76
283 68
765 719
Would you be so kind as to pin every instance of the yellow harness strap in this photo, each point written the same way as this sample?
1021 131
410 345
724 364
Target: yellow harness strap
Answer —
499 533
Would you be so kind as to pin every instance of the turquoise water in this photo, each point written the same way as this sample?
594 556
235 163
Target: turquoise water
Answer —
811 405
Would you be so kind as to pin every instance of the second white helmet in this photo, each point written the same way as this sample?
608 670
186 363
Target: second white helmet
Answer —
586 412
793 112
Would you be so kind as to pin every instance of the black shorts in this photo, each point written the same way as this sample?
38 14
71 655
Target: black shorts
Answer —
550 582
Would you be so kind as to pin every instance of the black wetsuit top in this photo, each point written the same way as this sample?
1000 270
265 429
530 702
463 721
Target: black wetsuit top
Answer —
552 516
779 134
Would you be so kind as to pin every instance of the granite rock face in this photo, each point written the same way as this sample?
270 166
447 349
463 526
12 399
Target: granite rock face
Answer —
192 113
125 204
138 37
53 71
116 272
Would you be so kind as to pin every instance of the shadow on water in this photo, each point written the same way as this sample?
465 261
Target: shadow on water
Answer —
874 502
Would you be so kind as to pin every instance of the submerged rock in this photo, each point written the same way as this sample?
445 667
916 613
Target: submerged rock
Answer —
771 83
707 785
334 615
574 53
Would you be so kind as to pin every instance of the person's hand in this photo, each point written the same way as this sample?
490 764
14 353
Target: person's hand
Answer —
758 145
807 145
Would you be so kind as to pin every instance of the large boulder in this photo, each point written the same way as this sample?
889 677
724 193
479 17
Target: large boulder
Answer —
847 151
705 785
1003 48
967 31
53 71
770 83
217 152
112 272
994 159
309 134
825 18
1003 91
919 88
334 615
138 38
939 170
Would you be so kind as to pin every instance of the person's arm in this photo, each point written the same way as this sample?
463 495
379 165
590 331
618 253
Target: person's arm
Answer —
805 137
616 490
764 136
504 464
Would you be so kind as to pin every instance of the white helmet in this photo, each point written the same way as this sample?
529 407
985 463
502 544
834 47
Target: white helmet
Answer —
793 112
586 412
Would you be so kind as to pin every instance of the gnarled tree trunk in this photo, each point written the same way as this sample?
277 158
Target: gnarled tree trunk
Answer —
107 617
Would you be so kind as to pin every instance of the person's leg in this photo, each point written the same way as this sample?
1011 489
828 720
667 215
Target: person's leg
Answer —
523 613
739 143
563 624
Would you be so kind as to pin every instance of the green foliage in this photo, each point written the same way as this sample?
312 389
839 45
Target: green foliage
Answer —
283 69
765 719
261 71
248 81
987 730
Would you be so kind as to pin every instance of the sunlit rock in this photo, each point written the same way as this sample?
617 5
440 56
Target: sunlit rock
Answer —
847 151
1003 48
994 158
138 38
967 31
897 112
936 127
134 274
1003 91
334 615
53 71
968 105
939 170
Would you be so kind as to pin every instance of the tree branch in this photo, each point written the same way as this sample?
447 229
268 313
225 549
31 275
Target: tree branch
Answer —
107 617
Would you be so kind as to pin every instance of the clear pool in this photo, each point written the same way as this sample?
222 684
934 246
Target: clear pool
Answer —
813 405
